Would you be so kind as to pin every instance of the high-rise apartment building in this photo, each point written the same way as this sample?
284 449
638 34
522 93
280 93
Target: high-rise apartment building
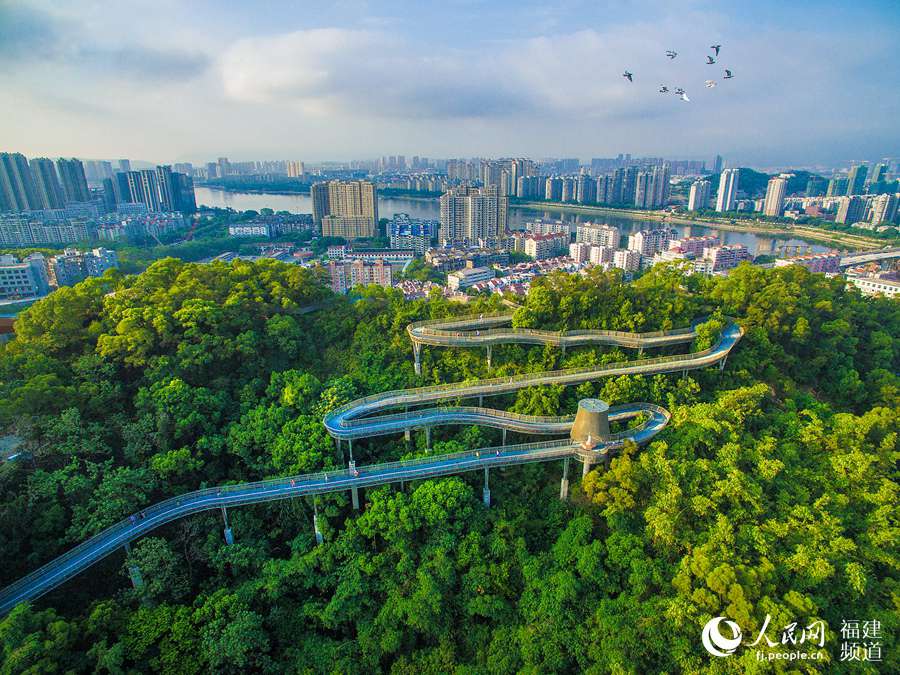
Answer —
529 187
74 182
643 189
185 198
17 191
648 242
856 180
661 189
124 165
879 173
601 254
46 183
718 164
728 187
295 169
884 209
699 196
837 186
629 184
411 233
553 189
597 234
627 260
318 194
775 192
851 210
347 209
815 186
166 185
143 187
469 214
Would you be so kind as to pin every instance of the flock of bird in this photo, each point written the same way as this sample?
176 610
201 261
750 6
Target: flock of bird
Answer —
679 91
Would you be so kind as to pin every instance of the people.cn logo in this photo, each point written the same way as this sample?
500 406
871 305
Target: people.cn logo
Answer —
716 643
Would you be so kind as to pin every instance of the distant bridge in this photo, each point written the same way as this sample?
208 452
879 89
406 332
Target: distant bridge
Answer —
870 256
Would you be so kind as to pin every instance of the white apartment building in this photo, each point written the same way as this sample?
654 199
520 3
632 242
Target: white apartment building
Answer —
728 187
648 242
596 234
627 260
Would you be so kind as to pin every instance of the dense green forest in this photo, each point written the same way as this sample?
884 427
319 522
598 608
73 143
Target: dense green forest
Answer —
773 490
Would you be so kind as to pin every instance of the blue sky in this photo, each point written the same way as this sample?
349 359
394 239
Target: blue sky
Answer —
815 82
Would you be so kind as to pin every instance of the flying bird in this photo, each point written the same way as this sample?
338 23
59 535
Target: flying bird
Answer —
710 84
717 48
627 76
710 60
671 54
728 74
684 97
679 91
663 89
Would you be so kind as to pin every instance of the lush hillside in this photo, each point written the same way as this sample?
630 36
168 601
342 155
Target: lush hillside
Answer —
773 491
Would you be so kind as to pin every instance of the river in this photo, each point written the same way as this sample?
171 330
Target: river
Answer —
429 208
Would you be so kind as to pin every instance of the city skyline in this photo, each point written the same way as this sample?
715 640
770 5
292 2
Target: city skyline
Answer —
352 81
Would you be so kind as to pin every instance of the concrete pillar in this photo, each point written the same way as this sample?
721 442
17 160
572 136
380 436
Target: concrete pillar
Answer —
134 572
489 356
407 434
319 537
722 364
641 350
354 491
417 354
486 492
563 348
504 437
481 401
350 445
427 439
585 467
229 535
591 421
564 486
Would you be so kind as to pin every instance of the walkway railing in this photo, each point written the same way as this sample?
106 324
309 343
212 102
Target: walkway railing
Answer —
336 421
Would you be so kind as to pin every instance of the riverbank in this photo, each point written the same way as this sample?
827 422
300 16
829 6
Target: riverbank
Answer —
812 234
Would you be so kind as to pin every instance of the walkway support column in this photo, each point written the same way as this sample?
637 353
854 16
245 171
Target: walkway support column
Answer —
134 572
417 354
486 492
427 439
354 491
319 537
229 535
407 434
722 363
586 467
504 437
489 356
564 486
